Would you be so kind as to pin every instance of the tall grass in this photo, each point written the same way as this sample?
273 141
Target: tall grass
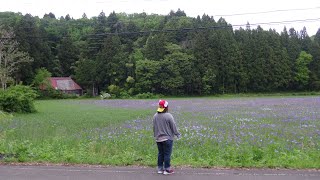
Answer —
233 132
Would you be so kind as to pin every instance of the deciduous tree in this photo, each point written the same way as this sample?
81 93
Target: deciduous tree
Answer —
10 57
302 70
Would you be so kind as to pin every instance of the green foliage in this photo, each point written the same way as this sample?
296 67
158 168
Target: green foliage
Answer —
302 74
11 57
190 58
111 63
176 70
209 81
130 80
147 78
125 95
86 74
50 93
42 78
155 47
67 56
38 48
114 90
18 99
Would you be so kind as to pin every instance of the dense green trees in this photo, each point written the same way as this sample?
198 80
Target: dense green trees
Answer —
172 55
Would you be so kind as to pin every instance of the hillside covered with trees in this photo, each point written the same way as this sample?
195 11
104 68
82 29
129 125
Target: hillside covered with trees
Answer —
171 55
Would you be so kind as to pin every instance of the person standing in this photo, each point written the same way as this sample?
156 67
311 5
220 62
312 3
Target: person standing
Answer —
164 129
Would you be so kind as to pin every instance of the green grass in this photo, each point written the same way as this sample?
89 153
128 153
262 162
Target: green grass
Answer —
231 132
60 132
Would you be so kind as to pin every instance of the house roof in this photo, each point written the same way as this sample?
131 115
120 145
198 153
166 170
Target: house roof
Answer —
64 83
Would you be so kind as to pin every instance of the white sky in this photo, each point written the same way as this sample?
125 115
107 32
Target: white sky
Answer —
75 8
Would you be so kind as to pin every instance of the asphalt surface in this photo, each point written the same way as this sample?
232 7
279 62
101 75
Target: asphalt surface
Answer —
19 172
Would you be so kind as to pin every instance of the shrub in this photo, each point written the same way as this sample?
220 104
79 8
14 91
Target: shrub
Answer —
50 93
18 99
131 91
105 95
114 90
124 95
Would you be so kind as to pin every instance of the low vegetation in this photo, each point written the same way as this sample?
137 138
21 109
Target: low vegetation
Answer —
17 99
216 132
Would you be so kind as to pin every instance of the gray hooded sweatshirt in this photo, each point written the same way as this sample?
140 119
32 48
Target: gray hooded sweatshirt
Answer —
164 127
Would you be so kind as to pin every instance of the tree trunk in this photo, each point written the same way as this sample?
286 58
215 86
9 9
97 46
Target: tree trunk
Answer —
93 90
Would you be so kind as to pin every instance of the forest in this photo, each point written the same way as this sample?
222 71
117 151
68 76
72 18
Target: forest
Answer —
169 54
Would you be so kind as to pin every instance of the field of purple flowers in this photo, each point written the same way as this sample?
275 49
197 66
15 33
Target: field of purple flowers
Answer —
235 132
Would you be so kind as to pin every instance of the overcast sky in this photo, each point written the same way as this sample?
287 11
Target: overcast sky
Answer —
307 10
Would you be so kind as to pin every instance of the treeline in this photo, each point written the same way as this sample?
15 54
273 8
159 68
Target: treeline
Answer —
170 55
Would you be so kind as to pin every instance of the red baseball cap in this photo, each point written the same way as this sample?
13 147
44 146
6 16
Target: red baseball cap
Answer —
163 104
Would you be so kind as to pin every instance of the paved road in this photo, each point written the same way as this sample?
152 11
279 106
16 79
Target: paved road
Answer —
9 172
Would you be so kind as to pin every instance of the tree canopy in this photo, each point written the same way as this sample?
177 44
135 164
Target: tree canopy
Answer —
167 54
